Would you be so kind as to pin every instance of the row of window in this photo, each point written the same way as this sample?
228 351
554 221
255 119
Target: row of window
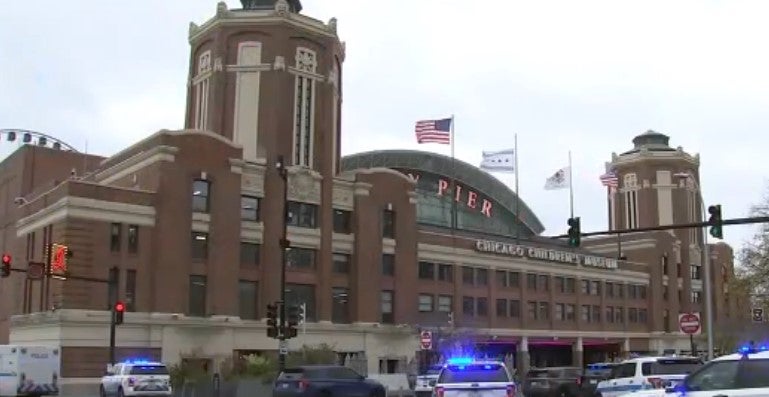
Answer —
299 214
116 238
695 271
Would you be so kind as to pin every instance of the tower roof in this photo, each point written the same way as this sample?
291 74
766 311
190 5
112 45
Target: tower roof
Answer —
651 140
294 5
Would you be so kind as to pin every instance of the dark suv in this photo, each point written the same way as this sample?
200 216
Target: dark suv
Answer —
325 381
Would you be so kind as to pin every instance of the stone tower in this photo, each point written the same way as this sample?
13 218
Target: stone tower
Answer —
659 185
268 78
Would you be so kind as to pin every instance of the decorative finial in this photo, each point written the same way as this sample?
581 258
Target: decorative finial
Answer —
280 63
282 8
193 28
332 25
221 8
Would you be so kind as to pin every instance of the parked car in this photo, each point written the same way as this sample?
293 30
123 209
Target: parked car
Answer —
325 381
553 381
595 374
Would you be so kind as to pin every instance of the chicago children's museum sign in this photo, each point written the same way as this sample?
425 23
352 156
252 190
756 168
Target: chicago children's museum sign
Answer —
544 254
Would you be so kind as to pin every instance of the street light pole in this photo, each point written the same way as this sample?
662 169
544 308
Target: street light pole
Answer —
284 244
708 287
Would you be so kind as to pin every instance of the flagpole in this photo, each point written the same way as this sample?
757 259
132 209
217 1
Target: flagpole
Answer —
517 196
571 189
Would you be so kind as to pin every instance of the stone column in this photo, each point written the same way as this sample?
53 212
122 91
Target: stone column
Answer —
577 353
522 357
625 353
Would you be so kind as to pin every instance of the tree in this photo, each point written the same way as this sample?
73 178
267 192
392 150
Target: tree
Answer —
754 258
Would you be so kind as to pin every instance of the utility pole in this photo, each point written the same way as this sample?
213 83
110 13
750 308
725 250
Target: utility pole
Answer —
113 283
284 245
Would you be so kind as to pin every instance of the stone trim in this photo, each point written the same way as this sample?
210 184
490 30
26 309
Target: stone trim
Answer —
86 208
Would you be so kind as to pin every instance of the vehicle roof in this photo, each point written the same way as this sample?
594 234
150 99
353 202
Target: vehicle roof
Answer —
651 359
142 363
740 356
476 362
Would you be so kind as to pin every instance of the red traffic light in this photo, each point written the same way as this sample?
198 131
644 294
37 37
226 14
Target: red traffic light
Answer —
119 307
6 259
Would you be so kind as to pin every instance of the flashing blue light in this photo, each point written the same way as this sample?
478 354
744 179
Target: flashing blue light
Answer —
752 348
138 361
460 361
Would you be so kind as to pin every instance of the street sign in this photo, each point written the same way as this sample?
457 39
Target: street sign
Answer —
426 340
758 315
35 270
283 347
689 323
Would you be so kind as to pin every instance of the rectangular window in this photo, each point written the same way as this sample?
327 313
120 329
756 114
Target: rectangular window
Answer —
532 309
426 271
514 279
247 300
468 305
199 246
341 263
609 314
544 311
340 311
130 290
642 318
302 215
342 221
468 275
445 304
482 306
571 285
502 309
595 288
642 291
560 284
585 286
133 239
570 309
560 311
619 289
386 307
200 194
388 224
388 265
515 308
543 283
596 314
197 296
482 276
696 272
609 286
585 313
696 298
298 294
446 273
249 253
300 258
619 315
501 277
249 208
531 281
115 237
632 315
425 303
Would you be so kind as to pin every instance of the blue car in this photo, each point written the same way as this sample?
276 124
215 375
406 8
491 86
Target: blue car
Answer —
325 381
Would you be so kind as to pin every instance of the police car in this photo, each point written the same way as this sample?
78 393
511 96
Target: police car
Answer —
136 378
426 381
644 373
744 374
461 377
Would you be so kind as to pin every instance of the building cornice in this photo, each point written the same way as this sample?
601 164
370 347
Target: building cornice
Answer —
136 163
646 155
89 209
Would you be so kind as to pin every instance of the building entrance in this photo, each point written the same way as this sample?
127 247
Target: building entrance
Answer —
601 352
550 354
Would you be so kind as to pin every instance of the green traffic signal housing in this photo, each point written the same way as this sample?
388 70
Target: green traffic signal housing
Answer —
716 221
292 321
575 235
272 321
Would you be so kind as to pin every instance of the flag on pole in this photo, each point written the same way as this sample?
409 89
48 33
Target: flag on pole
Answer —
500 161
560 180
610 179
433 131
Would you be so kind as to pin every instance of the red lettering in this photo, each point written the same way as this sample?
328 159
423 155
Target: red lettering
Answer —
443 185
413 177
459 192
486 208
472 199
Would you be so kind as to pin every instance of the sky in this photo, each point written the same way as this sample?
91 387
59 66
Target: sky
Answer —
563 76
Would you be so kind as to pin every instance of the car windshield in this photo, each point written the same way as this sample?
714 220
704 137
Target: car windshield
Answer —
149 370
599 369
679 366
474 373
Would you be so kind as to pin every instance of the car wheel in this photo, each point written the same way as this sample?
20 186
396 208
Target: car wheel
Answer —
102 393
378 393
120 392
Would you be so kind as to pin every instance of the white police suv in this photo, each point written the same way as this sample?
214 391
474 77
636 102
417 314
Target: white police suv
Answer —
463 377
743 374
644 373
136 378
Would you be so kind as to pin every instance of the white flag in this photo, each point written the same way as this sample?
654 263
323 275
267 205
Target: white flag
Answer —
560 180
501 161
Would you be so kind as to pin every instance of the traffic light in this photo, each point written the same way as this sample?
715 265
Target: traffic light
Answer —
574 232
119 312
292 314
716 222
272 321
6 271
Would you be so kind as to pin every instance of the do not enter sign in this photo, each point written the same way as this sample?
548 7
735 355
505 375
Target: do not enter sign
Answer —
689 323
426 340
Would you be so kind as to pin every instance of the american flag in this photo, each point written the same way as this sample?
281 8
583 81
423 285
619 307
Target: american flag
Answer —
433 131
610 179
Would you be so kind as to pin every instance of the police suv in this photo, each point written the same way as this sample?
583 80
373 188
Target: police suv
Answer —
426 381
744 374
465 377
644 373
136 378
